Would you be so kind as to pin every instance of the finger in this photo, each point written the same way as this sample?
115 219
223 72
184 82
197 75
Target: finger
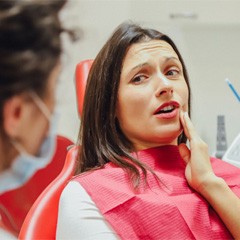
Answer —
184 152
183 122
190 129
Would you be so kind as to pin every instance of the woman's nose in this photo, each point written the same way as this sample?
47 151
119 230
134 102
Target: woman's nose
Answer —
165 86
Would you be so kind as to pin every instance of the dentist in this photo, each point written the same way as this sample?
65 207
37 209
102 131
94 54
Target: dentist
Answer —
30 49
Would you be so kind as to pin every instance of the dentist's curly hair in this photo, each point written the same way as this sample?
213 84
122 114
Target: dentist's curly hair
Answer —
30 46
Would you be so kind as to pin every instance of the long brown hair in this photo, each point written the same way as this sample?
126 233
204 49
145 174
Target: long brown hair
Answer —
100 136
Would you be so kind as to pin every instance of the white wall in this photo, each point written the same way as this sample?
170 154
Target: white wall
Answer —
214 55
209 43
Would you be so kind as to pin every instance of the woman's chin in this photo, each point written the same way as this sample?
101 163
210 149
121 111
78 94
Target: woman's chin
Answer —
171 137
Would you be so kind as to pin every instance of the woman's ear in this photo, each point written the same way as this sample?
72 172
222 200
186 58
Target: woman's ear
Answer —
13 115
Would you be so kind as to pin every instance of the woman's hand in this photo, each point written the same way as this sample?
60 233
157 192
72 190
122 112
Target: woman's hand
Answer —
198 166
201 177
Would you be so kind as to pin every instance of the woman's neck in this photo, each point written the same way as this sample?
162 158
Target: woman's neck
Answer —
139 146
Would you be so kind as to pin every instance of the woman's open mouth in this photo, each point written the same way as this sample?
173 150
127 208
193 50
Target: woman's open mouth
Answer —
167 110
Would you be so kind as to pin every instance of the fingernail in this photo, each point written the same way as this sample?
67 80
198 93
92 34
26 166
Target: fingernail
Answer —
186 114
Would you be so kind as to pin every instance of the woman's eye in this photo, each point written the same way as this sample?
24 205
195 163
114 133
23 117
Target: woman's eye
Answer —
172 72
138 79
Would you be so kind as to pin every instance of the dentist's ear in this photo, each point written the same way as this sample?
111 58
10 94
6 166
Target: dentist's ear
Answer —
13 115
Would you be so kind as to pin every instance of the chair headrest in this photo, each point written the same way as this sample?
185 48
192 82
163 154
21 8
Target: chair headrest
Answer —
81 75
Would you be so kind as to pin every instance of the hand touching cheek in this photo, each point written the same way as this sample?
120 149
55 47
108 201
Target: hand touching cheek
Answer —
198 166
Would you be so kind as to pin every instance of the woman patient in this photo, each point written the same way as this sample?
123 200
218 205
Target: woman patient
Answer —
137 178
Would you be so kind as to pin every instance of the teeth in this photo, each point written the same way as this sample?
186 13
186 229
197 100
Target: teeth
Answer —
168 108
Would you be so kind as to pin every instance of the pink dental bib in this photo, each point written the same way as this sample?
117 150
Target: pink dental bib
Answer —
163 209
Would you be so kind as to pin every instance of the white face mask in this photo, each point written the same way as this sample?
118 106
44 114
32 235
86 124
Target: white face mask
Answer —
25 165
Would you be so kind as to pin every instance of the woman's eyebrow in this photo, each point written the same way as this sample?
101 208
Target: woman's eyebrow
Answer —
172 58
166 59
139 66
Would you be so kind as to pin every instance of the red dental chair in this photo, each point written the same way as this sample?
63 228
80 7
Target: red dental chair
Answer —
41 221
81 76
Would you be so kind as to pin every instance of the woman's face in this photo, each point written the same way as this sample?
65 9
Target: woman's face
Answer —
151 94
